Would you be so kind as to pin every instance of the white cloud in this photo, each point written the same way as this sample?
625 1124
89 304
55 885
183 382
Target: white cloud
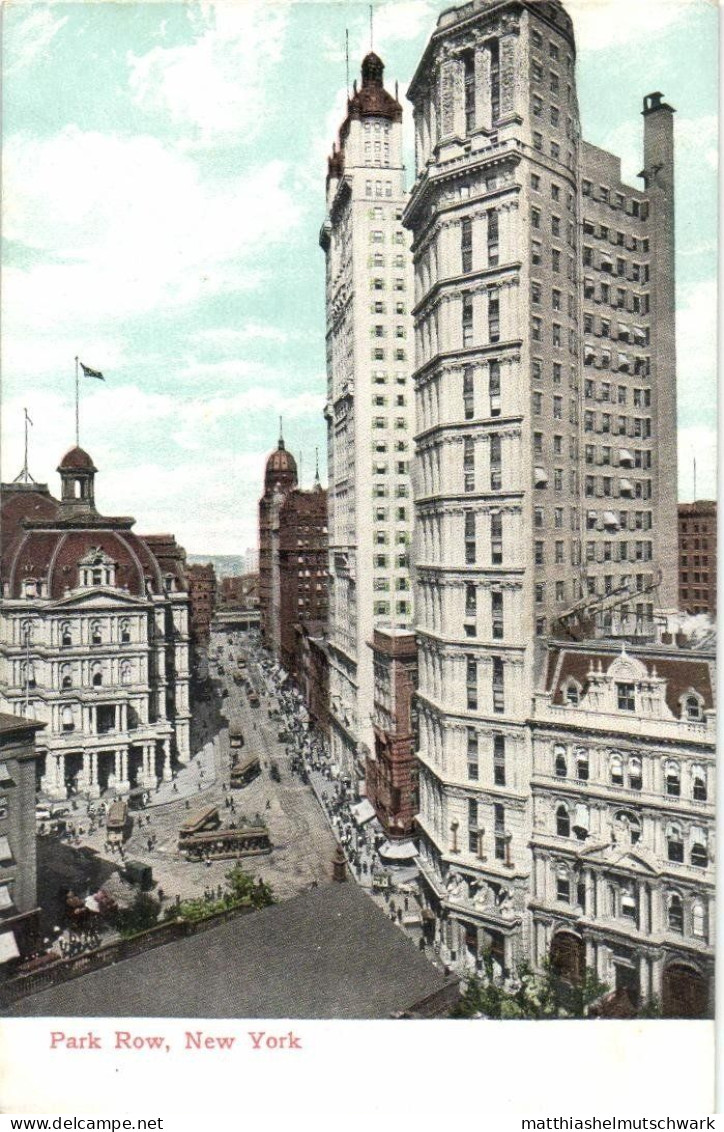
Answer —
32 35
226 337
698 444
216 84
696 350
603 24
139 225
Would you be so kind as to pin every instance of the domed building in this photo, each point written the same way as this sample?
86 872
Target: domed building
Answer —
280 477
293 548
93 638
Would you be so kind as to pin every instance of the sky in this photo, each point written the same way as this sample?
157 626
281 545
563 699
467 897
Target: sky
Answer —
163 191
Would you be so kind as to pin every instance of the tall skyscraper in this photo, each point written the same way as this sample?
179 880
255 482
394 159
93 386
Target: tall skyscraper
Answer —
369 406
545 447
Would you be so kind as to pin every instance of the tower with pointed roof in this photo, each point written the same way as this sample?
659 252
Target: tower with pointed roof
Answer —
369 411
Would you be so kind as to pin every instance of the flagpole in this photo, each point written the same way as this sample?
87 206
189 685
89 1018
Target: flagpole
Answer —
77 415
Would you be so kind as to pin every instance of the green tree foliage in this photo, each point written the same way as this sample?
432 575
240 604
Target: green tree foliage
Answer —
139 917
241 891
528 995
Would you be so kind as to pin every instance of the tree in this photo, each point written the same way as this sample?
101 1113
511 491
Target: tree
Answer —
527 995
140 916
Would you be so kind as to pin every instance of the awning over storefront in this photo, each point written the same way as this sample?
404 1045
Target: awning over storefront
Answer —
397 851
363 811
8 947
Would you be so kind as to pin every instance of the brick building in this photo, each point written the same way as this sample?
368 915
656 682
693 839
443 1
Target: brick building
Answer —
312 674
302 567
18 871
280 477
202 589
391 773
697 557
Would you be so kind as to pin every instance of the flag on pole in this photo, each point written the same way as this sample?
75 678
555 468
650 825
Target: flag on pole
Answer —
88 372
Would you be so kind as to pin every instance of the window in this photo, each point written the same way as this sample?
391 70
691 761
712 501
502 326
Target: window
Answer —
468 393
582 764
66 719
467 320
674 843
560 762
66 677
699 851
563 886
471 683
496 539
499 760
466 244
496 600
498 685
501 838
693 708
698 780
675 913
626 697
493 315
469 81
672 779
95 633
472 753
616 770
635 773
66 638
469 463
470 547
563 821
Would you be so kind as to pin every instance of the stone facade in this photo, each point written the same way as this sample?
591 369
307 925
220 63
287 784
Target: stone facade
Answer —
93 638
697 557
369 408
312 677
545 450
18 869
623 786
280 477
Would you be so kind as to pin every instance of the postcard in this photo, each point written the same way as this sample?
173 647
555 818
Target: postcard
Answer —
358 561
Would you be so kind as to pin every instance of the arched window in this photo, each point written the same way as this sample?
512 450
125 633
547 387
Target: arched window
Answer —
676 913
582 764
563 821
126 672
699 850
573 693
616 770
96 676
27 674
563 885
560 762
674 843
66 719
698 783
693 708
66 676
629 906
627 827
672 778
66 637
635 773
125 631
581 821
698 920
26 632
95 633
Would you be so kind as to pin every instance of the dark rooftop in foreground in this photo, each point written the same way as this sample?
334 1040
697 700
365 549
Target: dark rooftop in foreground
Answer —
329 953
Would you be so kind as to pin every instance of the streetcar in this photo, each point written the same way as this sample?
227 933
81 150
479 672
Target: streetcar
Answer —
199 823
244 771
117 823
236 736
248 841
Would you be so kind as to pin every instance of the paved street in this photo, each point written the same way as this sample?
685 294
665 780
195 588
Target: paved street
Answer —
303 844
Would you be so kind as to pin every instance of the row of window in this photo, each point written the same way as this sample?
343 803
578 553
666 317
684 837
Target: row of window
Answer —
384 608
615 199
626 770
381 308
639 427
538 259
